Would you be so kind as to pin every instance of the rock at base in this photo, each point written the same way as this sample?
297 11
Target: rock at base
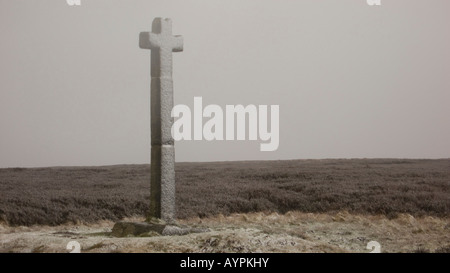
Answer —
126 229
132 229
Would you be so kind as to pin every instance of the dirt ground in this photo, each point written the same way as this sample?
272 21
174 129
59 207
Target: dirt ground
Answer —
253 232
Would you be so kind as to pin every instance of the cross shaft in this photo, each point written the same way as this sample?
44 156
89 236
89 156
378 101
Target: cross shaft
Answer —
162 43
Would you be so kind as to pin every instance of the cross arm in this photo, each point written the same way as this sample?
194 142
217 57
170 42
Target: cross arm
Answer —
177 43
144 40
149 40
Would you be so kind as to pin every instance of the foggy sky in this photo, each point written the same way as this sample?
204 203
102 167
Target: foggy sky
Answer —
352 80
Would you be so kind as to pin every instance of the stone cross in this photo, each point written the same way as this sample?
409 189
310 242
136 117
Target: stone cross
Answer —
162 43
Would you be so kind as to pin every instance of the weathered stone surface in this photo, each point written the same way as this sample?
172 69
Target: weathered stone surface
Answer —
161 108
162 43
162 186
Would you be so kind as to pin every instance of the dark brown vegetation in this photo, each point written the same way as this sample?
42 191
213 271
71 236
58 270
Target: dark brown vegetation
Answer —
54 196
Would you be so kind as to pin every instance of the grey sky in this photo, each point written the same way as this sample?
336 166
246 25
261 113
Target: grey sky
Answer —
351 80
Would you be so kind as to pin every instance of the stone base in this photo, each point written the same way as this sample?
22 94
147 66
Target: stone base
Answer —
143 229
